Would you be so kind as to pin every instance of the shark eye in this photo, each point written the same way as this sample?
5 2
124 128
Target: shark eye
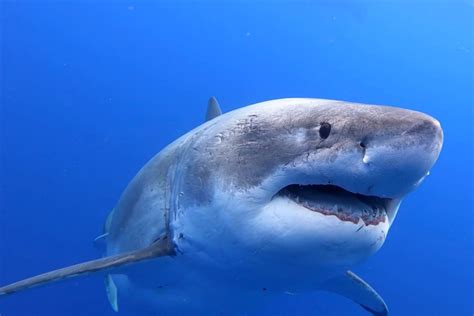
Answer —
324 130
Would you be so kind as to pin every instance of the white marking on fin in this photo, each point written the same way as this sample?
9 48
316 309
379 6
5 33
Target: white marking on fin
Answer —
101 237
213 109
100 242
111 292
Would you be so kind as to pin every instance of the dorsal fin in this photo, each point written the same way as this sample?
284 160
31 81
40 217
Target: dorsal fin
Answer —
161 248
213 109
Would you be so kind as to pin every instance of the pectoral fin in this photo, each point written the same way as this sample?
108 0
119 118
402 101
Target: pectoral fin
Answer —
160 248
354 288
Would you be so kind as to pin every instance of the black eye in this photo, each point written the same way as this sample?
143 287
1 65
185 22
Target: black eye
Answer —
324 130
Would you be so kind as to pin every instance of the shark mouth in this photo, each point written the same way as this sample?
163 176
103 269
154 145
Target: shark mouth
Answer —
331 200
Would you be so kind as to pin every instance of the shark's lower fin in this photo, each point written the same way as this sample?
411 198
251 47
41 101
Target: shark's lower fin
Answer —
162 247
354 288
111 292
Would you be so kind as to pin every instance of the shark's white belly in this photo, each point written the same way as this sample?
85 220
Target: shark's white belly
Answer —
213 274
176 288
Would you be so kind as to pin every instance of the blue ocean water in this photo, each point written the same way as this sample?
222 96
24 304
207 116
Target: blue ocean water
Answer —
90 90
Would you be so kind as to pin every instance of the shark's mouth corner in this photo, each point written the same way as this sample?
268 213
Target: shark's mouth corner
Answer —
332 200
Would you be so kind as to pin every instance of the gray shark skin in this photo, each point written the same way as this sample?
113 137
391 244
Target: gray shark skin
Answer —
282 196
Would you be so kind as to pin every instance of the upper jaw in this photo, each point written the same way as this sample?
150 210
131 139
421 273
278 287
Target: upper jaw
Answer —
355 184
387 174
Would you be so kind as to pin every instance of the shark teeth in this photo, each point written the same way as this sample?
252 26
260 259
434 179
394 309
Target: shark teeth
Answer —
335 201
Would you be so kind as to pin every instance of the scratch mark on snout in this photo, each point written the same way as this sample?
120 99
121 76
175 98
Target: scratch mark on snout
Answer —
359 228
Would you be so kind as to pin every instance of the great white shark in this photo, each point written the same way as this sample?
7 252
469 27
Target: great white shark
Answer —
283 196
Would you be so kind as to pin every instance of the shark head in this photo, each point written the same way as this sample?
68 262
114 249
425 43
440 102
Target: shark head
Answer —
305 182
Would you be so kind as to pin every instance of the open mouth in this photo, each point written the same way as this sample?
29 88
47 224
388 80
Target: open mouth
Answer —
331 200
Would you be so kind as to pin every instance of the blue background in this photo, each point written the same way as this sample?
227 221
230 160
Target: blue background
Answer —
91 90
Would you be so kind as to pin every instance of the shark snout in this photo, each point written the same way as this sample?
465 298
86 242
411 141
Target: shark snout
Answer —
402 154
402 129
